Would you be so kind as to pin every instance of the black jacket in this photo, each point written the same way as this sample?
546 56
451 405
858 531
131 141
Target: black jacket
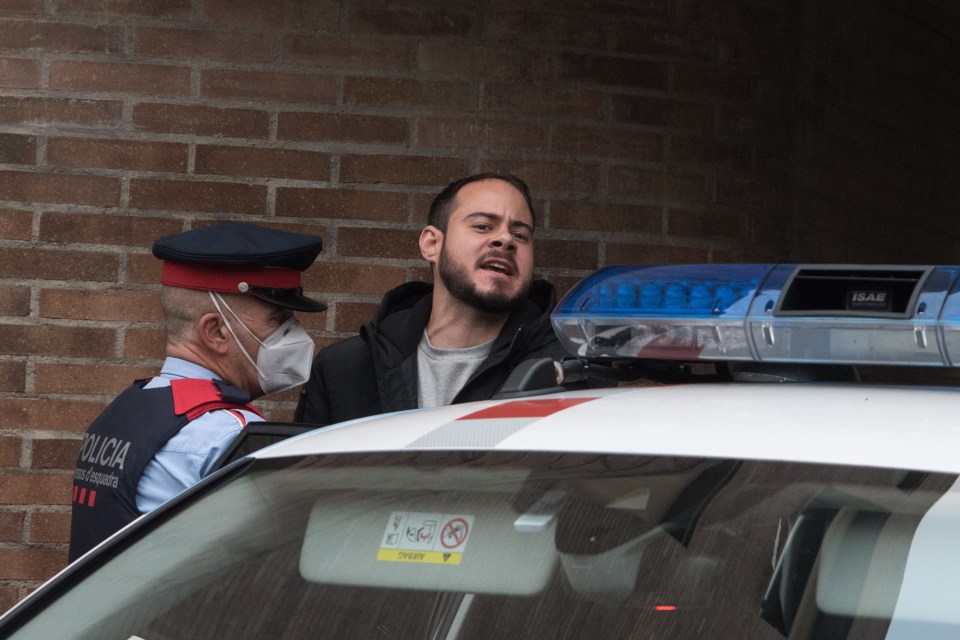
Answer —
376 372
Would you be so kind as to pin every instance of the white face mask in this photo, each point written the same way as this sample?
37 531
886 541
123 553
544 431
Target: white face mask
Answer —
285 355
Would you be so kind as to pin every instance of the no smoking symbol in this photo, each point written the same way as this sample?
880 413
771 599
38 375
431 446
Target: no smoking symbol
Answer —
454 533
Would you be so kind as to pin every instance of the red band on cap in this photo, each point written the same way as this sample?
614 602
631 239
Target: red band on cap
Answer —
227 279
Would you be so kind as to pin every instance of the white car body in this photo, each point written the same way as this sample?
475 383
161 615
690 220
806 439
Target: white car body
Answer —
837 423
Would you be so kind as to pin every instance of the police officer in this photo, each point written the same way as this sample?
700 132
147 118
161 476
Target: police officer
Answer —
229 293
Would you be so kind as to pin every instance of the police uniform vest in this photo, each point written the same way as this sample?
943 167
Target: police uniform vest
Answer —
123 439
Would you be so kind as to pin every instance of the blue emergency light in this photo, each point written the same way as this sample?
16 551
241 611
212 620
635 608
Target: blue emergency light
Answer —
852 314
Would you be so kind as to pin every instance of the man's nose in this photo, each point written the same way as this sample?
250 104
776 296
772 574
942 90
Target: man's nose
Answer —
504 239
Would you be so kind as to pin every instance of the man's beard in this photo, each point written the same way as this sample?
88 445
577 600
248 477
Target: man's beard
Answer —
457 281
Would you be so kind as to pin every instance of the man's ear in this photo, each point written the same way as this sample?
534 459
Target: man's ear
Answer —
431 239
213 333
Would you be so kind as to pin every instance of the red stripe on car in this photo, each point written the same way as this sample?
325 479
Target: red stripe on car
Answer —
526 408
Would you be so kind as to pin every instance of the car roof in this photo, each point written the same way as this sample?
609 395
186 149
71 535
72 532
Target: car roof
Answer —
839 423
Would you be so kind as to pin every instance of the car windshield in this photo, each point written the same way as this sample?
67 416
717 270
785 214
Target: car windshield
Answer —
465 545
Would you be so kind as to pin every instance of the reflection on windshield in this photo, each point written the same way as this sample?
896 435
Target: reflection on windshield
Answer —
516 545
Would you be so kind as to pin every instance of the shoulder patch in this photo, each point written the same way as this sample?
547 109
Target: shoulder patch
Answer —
194 397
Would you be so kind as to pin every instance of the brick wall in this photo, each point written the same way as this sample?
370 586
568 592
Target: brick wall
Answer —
649 130
877 148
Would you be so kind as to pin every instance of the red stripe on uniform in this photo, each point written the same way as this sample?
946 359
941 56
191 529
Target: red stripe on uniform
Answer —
83 495
239 416
526 408
75 490
92 499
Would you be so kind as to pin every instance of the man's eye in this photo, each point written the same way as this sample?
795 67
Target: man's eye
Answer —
521 237
482 227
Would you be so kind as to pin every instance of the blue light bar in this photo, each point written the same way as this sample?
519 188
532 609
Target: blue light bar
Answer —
854 314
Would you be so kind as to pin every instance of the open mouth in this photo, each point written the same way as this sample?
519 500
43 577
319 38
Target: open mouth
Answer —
498 266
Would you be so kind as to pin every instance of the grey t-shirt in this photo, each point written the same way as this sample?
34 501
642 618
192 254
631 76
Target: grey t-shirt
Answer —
441 373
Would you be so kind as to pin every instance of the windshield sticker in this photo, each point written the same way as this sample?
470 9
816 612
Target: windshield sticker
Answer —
430 538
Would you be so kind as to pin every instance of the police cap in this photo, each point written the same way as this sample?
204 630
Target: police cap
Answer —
237 257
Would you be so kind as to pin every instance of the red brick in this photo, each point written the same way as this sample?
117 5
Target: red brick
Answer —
549 176
201 120
608 70
399 244
31 563
345 204
467 60
646 110
314 322
13 375
233 46
649 40
54 453
281 413
603 216
412 19
33 488
18 149
563 284
539 100
152 79
565 254
487 134
406 92
183 195
104 229
114 306
20 73
21 6
143 268
707 151
145 344
50 527
708 81
58 187
352 315
9 452
747 190
353 278
623 253
118 154
350 52
321 15
542 27
272 163
50 264
15 224
660 185
25 35
59 415
707 224
326 127
151 8
53 340
38 111
14 301
9 596
415 170
422 274
608 141
268 87
11 526
421 204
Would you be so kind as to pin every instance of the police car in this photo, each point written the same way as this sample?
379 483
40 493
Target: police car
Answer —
730 452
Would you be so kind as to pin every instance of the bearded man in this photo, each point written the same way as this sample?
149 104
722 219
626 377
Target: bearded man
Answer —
458 339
